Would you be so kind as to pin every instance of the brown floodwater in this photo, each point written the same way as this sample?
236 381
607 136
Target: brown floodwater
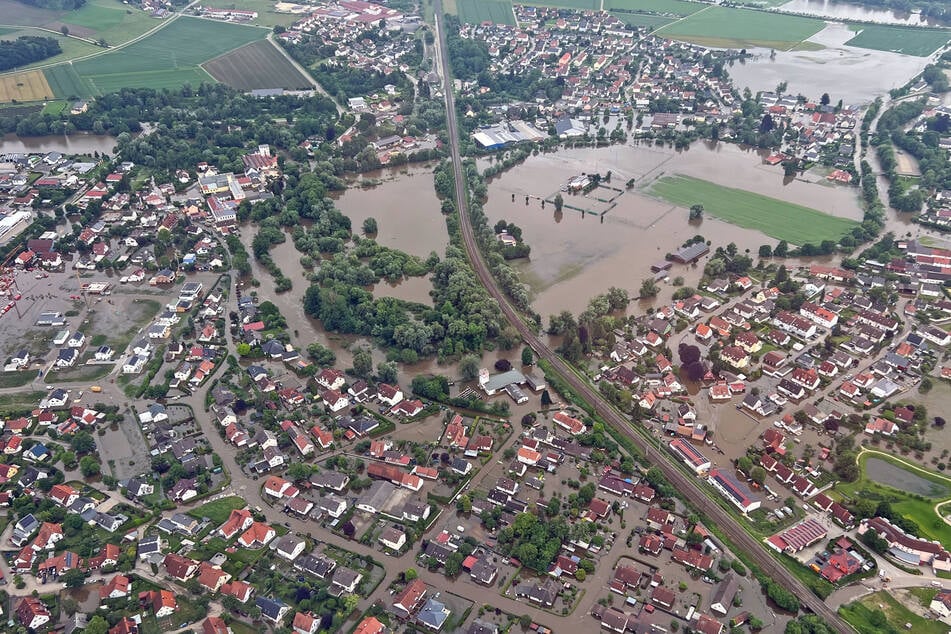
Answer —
855 75
848 11
405 207
72 144
574 258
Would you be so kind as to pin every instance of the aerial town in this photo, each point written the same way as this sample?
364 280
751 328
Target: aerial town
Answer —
474 317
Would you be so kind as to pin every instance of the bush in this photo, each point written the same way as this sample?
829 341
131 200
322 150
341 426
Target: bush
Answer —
738 568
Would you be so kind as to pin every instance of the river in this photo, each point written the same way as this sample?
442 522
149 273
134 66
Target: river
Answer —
72 144
854 75
847 11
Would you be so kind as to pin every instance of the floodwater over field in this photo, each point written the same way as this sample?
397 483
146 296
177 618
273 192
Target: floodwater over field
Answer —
854 75
72 144
847 11
405 207
892 475
574 258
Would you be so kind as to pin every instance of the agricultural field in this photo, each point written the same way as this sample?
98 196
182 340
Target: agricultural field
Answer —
27 15
776 218
28 85
256 65
662 7
66 82
580 5
642 19
863 616
168 58
477 11
723 27
896 39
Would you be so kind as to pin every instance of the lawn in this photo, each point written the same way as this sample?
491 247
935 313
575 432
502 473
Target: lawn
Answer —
667 7
910 41
478 11
860 615
219 510
776 218
742 28
20 400
55 107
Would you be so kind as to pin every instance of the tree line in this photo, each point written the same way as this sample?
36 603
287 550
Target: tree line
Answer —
26 50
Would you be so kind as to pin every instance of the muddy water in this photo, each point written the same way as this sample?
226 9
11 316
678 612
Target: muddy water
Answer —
411 289
847 11
72 144
575 257
405 207
855 75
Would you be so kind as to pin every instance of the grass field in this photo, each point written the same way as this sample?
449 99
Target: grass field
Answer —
256 65
775 218
14 12
66 82
72 48
910 41
859 615
478 11
219 510
55 108
666 7
30 85
267 16
742 28
580 5
642 19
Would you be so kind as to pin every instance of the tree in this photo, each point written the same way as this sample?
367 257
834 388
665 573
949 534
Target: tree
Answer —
454 564
350 603
243 349
696 212
525 620
649 288
89 466
765 251
758 474
528 420
527 357
546 400
64 30
410 574
82 443
362 363
387 372
580 575
299 471
74 578
559 202
464 504
781 250
97 625
825 99
369 226
469 367
926 385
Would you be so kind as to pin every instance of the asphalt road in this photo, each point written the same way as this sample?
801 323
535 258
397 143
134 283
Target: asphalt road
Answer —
686 485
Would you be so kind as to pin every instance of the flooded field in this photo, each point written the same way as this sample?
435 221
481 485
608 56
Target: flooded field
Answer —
575 257
854 75
848 11
73 144
406 209
894 476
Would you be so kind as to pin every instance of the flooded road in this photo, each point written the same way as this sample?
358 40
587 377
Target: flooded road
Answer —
854 75
574 258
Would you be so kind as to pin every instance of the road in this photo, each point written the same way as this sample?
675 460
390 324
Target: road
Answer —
688 486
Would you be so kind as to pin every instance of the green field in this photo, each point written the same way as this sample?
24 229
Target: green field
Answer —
666 7
66 82
478 11
775 218
110 20
859 615
580 5
910 41
742 28
267 16
168 58
642 19
219 510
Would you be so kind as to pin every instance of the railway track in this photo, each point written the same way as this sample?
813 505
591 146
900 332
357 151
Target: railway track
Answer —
687 486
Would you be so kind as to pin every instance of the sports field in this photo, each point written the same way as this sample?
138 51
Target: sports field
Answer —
28 85
478 11
665 7
256 65
723 27
776 218
910 41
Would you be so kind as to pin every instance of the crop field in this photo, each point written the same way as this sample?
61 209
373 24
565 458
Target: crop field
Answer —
256 65
580 5
28 85
776 218
167 59
478 11
665 7
14 12
642 19
742 28
66 82
910 41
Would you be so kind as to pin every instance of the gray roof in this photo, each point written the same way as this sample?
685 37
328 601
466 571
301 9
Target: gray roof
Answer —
433 614
499 381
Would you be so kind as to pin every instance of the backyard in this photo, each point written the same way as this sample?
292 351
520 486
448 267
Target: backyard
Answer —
776 218
219 510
